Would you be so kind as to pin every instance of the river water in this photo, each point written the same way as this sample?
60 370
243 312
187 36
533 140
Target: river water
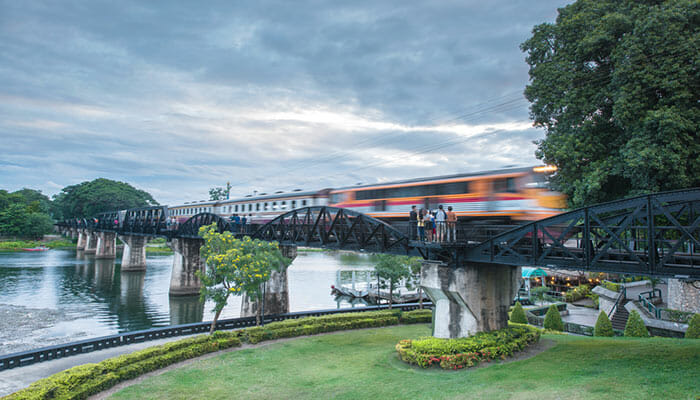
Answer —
60 296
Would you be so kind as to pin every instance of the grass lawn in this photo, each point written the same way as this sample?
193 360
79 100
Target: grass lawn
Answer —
363 364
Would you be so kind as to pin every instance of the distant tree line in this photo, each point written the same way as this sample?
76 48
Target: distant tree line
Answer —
28 213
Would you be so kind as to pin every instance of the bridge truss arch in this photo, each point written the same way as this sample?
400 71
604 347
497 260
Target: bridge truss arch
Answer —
190 228
334 228
656 235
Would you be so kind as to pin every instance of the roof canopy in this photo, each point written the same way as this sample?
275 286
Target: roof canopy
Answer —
532 272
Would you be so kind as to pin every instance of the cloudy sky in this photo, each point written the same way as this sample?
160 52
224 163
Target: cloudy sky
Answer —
177 97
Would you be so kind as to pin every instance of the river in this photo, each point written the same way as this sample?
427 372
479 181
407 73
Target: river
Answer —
60 296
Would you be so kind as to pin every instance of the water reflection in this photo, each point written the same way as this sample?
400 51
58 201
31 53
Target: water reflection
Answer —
99 299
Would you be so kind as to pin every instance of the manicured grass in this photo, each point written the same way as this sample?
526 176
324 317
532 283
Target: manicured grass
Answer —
161 249
363 364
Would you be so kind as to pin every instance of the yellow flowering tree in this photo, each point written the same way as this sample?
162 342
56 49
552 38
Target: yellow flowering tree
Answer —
235 266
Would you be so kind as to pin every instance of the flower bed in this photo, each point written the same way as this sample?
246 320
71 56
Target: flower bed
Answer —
467 352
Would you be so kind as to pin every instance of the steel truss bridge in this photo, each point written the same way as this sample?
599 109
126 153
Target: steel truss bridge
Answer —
655 235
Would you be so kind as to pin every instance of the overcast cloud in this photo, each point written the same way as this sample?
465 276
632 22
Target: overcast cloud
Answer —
177 97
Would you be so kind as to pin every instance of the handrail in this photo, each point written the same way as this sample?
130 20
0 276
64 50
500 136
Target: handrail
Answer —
646 301
620 299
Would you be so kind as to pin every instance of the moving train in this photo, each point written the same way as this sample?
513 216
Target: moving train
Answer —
508 194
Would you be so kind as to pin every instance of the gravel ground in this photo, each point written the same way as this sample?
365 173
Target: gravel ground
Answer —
23 328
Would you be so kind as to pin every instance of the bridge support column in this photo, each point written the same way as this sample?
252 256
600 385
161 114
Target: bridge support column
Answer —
276 292
106 245
471 298
90 242
82 239
186 262
134 255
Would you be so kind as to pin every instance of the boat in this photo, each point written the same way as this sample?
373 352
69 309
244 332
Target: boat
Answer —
40 248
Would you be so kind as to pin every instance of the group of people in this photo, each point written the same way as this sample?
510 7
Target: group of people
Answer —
239 222
433 226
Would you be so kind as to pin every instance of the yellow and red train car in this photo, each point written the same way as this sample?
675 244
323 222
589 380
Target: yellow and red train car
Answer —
514 194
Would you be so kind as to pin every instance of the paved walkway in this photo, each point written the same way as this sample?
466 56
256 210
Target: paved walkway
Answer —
12 380
581 315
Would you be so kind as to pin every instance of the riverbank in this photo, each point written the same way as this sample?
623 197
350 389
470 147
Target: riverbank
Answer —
18 245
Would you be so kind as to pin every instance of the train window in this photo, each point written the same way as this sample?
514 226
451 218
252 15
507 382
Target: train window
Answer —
303 203
257 206
274 205
506 185
235 208
380 205
294 204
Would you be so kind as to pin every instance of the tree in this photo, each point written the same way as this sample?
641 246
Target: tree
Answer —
218 193
603 326
415 265
21 220
615 84
100 195
517 316
635 326
235 266
539 293
391 269
552 320
693 331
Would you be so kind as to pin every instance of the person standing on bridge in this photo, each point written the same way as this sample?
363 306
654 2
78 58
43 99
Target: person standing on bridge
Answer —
440 218
421 225
412 223
244 221
451 225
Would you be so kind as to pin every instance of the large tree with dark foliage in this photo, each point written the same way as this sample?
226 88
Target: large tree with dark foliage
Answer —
100 195
24 213
616 86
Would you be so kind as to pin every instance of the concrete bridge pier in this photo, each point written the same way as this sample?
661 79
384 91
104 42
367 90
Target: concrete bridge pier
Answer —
276 298
471 298
106 245
90 242
82 239
186 262
134 255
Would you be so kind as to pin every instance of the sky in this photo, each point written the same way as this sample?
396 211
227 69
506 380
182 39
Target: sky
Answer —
178 97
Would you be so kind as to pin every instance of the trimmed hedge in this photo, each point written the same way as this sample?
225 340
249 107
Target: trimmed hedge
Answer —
552 320
603 326
635 326
467 352
693 331
85 380
518 316
577 293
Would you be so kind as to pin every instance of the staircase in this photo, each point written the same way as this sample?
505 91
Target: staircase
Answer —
619 318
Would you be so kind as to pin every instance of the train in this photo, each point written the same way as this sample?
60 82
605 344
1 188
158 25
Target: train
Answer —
517 194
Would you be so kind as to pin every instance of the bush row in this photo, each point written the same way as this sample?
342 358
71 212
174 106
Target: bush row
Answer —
467 352
85 380
577 293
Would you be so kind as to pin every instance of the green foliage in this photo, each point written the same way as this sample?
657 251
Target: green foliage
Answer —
469 351
539 293
518 314
417 316
615 287
577 293
19 220
635 326
235 266
693 331
392 269
552 320
603 326
218 193
85 380
100 195
676 315
614 84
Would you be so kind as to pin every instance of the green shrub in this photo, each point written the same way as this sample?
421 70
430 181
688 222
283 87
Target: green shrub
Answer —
693 331
518 315
467 352
417 316
635 326
82 381
603 326
577 293
552 320
615 287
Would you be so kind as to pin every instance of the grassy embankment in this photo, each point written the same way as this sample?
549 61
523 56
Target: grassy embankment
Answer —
363 364
18 245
